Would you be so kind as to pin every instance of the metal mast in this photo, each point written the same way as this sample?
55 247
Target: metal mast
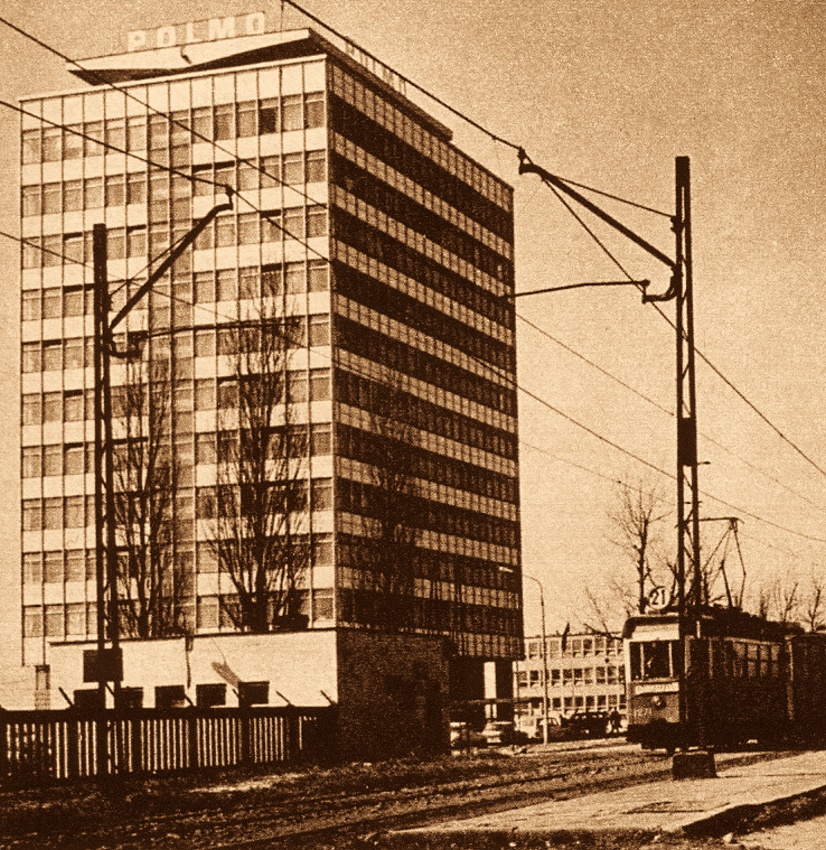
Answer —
688 501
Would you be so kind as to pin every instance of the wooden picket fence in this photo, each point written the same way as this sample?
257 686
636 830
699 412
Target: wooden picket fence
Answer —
38 747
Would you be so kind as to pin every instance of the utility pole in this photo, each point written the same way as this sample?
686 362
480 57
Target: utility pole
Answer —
101 309
688 504
106 664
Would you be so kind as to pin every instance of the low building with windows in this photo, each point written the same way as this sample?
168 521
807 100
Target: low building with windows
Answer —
387 256
586 673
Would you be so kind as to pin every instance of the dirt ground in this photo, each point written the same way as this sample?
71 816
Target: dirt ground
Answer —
351 807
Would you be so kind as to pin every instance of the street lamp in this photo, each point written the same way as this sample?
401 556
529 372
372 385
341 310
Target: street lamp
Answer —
545 701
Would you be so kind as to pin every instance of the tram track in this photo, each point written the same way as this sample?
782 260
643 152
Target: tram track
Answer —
333 810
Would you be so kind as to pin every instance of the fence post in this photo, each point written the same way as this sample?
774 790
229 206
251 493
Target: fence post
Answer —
246 749
293 735
4 744
136 739
193 750
72 744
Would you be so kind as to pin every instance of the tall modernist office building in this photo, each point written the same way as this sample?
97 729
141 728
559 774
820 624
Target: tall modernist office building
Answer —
394 255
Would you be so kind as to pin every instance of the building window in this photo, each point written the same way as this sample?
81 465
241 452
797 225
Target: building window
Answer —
291 113
170 696
323 604
73 353
53 567
271 227
268 116
52 144
115 134
72 143
314 109
93 190
136 134
31 200
136 188
316 166
320 330
75 565
293 168
322 550
248 229
72 195
319 384
76 619
322 494
316 221
253 693
31 150
226 288
210 696
246 118
31 353
317 279
54 621
53 459
115 190
33 621
31 467
224 122
294 223
224 232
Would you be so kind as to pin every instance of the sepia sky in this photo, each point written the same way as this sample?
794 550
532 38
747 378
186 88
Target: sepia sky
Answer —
607 94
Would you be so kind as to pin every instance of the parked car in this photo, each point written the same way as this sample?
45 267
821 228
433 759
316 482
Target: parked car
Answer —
502 732
464 736
588 724
532 726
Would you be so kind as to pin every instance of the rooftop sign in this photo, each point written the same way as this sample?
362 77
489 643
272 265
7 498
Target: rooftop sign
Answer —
254 23
192 32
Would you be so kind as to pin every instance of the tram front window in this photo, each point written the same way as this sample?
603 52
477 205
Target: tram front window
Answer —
656 660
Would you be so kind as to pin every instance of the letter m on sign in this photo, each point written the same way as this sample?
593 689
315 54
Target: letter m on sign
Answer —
221 28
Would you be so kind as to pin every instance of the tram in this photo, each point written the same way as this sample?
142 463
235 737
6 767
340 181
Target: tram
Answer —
735 678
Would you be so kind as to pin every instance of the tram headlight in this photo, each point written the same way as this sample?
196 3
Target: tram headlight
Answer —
658 701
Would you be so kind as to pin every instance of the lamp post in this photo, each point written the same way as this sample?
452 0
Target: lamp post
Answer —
545 702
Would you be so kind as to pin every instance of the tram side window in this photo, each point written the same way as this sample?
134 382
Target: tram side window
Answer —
657 660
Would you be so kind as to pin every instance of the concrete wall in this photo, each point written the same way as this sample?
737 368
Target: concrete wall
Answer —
393 692
300 666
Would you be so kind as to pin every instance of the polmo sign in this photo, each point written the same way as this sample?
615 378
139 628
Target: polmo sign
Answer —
192 32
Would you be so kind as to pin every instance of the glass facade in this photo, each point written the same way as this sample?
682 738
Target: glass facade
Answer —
389 253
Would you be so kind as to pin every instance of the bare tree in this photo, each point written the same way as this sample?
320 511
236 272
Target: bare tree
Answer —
636 520
151 589
814 606
779 600
261 493
386 558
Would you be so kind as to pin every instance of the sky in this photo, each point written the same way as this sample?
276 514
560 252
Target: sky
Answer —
607 94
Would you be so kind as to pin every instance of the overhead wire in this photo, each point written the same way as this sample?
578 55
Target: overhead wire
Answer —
697 351
169 117
235 157
407 80
471 122
669 412
515 384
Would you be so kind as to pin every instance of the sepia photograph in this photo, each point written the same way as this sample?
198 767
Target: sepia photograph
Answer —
412 425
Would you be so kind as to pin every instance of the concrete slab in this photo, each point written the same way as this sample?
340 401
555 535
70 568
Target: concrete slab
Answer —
668 806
